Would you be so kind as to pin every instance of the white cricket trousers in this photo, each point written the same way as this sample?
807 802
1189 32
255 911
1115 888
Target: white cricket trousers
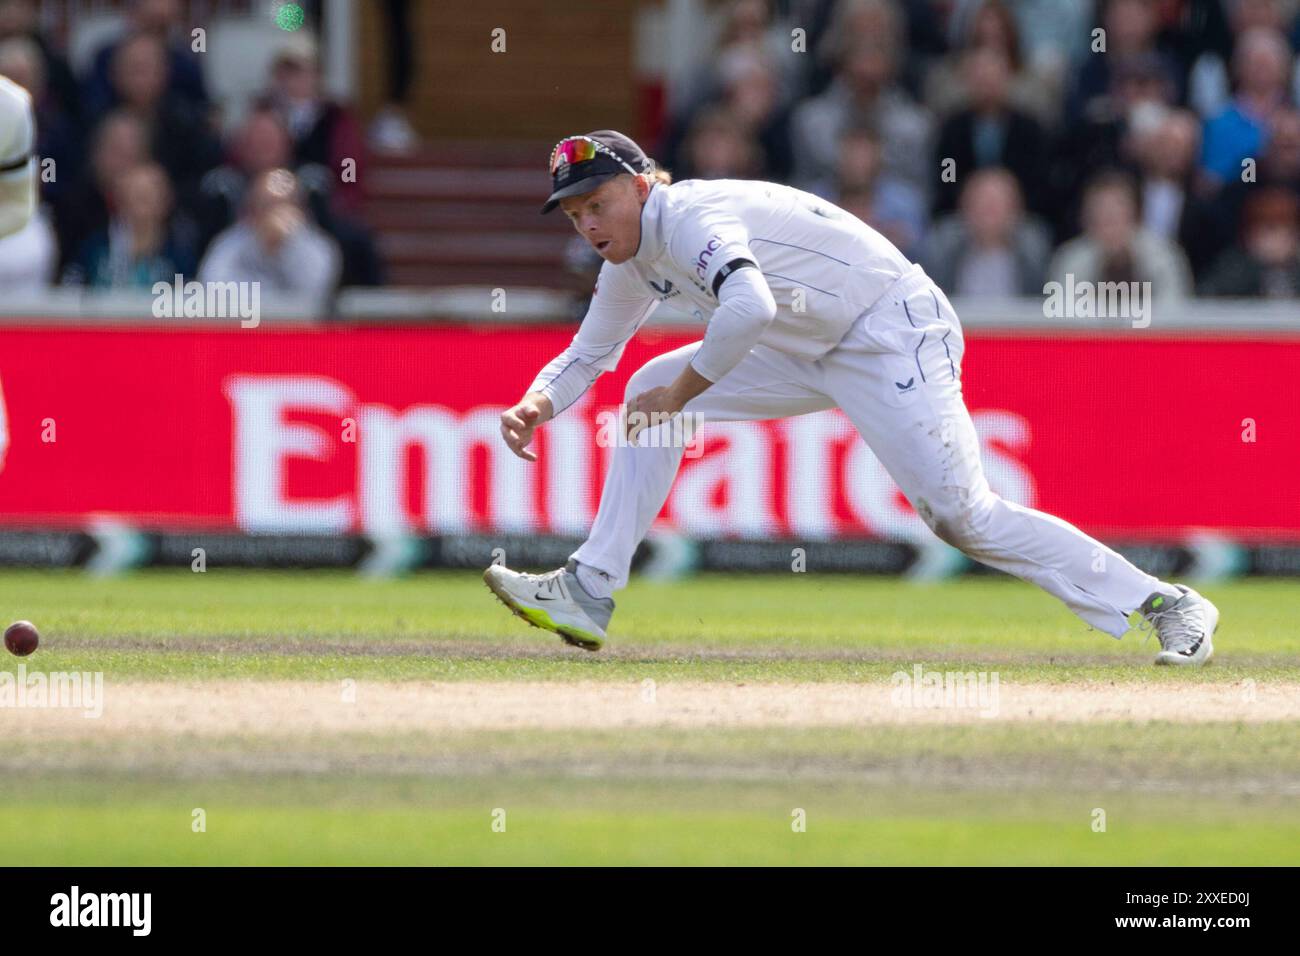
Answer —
897 376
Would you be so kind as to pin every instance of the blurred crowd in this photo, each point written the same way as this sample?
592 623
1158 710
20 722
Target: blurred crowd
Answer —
1006 143
138 184
1002 143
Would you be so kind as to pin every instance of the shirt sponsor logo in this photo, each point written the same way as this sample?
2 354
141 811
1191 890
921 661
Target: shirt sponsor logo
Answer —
702 260
666 291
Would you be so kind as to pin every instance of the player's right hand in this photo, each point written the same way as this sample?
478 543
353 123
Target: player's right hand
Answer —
518 425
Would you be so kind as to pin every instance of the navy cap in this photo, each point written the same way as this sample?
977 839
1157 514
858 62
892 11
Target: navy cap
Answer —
614 155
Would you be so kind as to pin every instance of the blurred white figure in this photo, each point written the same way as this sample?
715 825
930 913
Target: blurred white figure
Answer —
17 157
28 257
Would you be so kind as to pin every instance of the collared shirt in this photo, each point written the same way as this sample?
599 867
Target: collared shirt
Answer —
823 266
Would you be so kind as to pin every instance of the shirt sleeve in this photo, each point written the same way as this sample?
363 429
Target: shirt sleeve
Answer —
705 242
618 308
747 308
714 246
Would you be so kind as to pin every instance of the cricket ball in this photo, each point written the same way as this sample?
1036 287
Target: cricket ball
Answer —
21 638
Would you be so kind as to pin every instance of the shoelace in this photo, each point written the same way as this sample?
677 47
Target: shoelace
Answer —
1180 619
1145 627
550 582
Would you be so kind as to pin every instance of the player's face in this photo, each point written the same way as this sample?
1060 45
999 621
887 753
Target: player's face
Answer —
609 217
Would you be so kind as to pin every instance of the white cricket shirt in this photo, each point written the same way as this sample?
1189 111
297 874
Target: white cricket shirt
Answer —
824 268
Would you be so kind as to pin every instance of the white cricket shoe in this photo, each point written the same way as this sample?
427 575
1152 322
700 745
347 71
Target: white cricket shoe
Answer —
554 602
1185 626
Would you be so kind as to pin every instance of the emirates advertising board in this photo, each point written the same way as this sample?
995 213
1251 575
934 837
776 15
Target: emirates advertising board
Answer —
1133 435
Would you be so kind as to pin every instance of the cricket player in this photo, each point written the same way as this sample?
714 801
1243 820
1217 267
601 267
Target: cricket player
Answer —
17 158
808 308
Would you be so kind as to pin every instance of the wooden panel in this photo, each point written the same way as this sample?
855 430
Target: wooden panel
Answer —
567 67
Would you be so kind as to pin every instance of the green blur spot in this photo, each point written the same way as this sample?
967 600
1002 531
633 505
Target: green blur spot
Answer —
290 16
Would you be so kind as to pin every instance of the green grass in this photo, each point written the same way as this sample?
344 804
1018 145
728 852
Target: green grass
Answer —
1155 756
309 836
993 793
441 663
177 624
556 821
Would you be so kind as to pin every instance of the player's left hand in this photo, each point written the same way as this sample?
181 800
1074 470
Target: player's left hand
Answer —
661 402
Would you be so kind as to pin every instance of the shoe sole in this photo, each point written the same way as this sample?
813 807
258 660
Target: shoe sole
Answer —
540 619
1174 660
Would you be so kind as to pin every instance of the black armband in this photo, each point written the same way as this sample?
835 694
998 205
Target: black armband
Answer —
728 269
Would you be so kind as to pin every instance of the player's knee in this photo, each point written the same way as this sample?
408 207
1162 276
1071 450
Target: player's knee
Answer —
960 520
642 380
635 386
657 372
949 528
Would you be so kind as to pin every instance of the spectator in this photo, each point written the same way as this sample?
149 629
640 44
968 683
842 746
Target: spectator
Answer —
1279 166
1209 85
989 132
990 25
888 204
1268 263
178 134
1140 87
161 20
276 244
262 144
56 133
990 248
817 17
752 94
744 30
1054 40
719 146
143 243
863 45
1166 145
1115 247
18 20
1262 64
1190 29
119 143
323 132
749 90
259 144
926 24
747 25
391 131
1130 34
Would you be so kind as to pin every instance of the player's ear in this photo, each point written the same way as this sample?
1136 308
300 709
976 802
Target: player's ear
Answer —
641 183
